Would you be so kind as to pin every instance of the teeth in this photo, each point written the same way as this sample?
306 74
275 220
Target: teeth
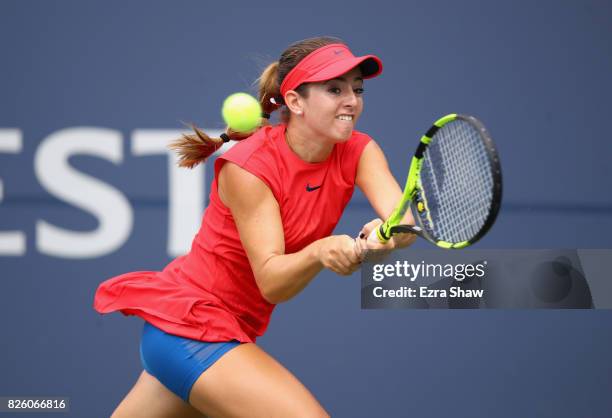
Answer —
345 117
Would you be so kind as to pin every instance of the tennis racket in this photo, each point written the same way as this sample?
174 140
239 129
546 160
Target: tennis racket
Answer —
454 185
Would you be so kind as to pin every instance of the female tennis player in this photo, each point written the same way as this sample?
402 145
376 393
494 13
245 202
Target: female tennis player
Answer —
275 199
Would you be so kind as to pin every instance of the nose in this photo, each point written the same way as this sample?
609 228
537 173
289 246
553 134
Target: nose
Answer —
351 99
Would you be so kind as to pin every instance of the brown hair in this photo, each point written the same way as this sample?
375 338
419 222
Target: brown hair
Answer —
197 147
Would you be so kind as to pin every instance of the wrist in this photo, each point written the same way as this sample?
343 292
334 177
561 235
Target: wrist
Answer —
317 251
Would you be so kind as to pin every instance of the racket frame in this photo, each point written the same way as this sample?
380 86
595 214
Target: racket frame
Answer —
409 198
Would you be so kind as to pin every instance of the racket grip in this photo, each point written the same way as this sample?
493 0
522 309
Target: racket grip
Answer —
405 228
397 229
373 237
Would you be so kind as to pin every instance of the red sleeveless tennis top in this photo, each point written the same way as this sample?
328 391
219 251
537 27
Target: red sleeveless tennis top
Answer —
210 294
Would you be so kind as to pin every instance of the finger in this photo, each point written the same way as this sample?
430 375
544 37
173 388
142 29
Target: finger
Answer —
357 248
338 263
365 230
351 269
342 270
372 240
369 227
346 259
361 248
355 260
333 266
352 253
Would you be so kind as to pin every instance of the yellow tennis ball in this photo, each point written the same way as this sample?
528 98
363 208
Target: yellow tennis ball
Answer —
241 112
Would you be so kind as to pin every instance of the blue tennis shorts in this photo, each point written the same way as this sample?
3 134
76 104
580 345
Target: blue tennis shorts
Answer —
177 362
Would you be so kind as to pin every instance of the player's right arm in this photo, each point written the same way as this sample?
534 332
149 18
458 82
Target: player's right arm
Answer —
256 213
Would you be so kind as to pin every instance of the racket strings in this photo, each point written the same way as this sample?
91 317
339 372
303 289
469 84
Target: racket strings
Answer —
457 183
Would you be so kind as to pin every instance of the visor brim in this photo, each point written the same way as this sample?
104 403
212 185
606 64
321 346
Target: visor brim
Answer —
370 65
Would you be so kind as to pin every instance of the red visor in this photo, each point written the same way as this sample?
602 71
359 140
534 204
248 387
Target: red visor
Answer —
328 62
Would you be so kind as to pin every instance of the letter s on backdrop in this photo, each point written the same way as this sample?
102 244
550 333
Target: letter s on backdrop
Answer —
111 208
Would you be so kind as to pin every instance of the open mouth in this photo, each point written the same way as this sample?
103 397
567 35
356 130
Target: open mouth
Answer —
345 117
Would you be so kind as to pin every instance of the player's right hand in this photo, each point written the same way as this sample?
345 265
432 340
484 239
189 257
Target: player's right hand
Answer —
339 254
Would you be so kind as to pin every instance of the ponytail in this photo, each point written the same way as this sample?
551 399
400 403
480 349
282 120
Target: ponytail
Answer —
195 148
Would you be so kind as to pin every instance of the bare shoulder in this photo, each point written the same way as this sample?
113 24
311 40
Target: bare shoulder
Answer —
237 185
372 148
372 160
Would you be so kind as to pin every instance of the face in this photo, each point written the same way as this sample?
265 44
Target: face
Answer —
332 107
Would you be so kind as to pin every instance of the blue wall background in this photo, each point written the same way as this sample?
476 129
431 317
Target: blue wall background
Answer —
537 73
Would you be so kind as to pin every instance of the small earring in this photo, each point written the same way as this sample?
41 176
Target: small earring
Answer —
298 112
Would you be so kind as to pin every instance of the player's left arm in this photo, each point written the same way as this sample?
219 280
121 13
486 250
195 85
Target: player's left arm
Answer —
380 188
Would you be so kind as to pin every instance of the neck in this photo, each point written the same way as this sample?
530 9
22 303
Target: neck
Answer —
304 146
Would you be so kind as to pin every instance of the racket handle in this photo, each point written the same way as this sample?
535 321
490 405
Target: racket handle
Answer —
397 229
403 229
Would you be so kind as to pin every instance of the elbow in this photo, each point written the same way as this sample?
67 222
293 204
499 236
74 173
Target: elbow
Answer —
265 283
268 294
272 297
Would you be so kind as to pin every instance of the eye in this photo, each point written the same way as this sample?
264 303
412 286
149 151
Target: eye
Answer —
334 90
358 91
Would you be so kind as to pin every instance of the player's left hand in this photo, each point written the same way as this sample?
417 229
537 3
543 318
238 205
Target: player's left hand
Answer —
372 250
369 247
